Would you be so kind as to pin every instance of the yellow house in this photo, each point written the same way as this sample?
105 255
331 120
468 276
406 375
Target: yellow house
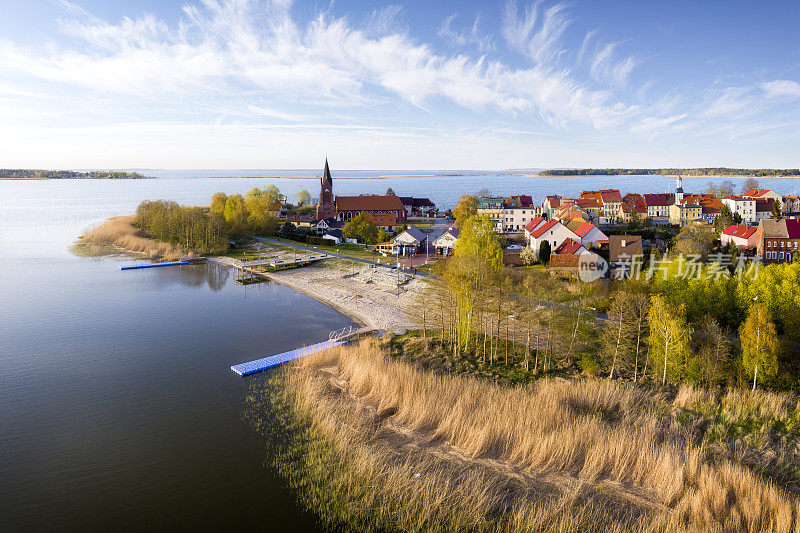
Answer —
682 214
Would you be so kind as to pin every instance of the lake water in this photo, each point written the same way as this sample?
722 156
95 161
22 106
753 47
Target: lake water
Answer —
117 406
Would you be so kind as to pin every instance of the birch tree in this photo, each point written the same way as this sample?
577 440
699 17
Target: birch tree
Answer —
760 347
669 338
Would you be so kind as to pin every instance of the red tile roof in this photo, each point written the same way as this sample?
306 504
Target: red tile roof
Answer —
533 223
793 228
756 193
539 232
369 202
659 199
740 230
583 229
568 247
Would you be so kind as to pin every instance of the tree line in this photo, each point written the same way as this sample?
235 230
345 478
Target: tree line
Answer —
209 230
6 173
715 171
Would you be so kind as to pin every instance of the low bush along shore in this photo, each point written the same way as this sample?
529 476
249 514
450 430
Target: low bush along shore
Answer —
375 443
120 233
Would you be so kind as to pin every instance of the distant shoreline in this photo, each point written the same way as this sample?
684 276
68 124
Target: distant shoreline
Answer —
78 179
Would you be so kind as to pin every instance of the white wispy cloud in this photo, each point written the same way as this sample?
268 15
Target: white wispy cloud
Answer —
536 34
484 42
607 68
779 88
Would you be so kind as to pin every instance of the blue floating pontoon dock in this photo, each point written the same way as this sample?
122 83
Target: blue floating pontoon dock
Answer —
244 369
153 265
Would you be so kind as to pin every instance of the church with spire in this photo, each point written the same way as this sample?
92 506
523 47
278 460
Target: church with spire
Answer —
326 207
387 211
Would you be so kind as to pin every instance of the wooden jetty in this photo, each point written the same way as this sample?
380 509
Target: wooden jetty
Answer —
336 338
186 261
246 272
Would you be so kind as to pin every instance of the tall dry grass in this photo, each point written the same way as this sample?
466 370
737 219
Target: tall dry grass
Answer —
120 233
559 455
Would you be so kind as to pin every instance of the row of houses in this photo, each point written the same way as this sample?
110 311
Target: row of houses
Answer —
773 241
413 241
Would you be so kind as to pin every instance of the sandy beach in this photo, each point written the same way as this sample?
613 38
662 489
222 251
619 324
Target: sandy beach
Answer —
370 296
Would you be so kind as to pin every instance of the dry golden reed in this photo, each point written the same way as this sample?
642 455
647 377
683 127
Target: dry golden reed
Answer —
557 455
119 232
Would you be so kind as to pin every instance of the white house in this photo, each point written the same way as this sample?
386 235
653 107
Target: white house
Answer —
446 242
741 235
746 207
553 232
409 242
791 204
532 225
516 218
589 234
763 194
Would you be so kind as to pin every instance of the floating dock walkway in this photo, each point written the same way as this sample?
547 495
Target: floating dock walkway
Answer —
336 338
154 265
258 365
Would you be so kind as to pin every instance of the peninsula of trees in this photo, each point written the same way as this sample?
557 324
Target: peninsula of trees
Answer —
38 174
716 171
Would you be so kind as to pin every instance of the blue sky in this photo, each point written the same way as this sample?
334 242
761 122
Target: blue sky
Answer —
413 85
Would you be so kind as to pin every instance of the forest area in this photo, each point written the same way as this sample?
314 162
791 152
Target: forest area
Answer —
709 171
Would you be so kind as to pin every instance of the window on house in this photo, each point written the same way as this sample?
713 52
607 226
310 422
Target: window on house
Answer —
781 256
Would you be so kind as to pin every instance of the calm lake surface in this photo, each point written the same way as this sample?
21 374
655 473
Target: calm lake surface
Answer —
117 405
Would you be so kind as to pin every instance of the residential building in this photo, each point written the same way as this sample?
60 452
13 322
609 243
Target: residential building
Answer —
791 205
631 212
386 220
591 208
324 225
550 204
516 218
519 201
570 247
492 208
624 251
778 240
609 201
552 231
410 242
741 235
590 235
746 207
418 207
683 214
446 242
764 208
302 221
710 204
531 226
764 194
658 205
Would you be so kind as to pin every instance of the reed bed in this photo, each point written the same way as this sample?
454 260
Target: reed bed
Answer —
120 233
402 448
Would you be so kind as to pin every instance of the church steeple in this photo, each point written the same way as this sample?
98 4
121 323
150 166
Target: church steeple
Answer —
326 174
326 208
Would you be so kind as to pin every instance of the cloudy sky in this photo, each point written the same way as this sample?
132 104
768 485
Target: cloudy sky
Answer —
257 84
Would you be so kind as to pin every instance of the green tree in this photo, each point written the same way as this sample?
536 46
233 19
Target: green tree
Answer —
467 207
544 252
236 214
479 239
361 227
263 208
724 219
668 339
697 238
218 203
303 197
713 351
777 214
760 346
